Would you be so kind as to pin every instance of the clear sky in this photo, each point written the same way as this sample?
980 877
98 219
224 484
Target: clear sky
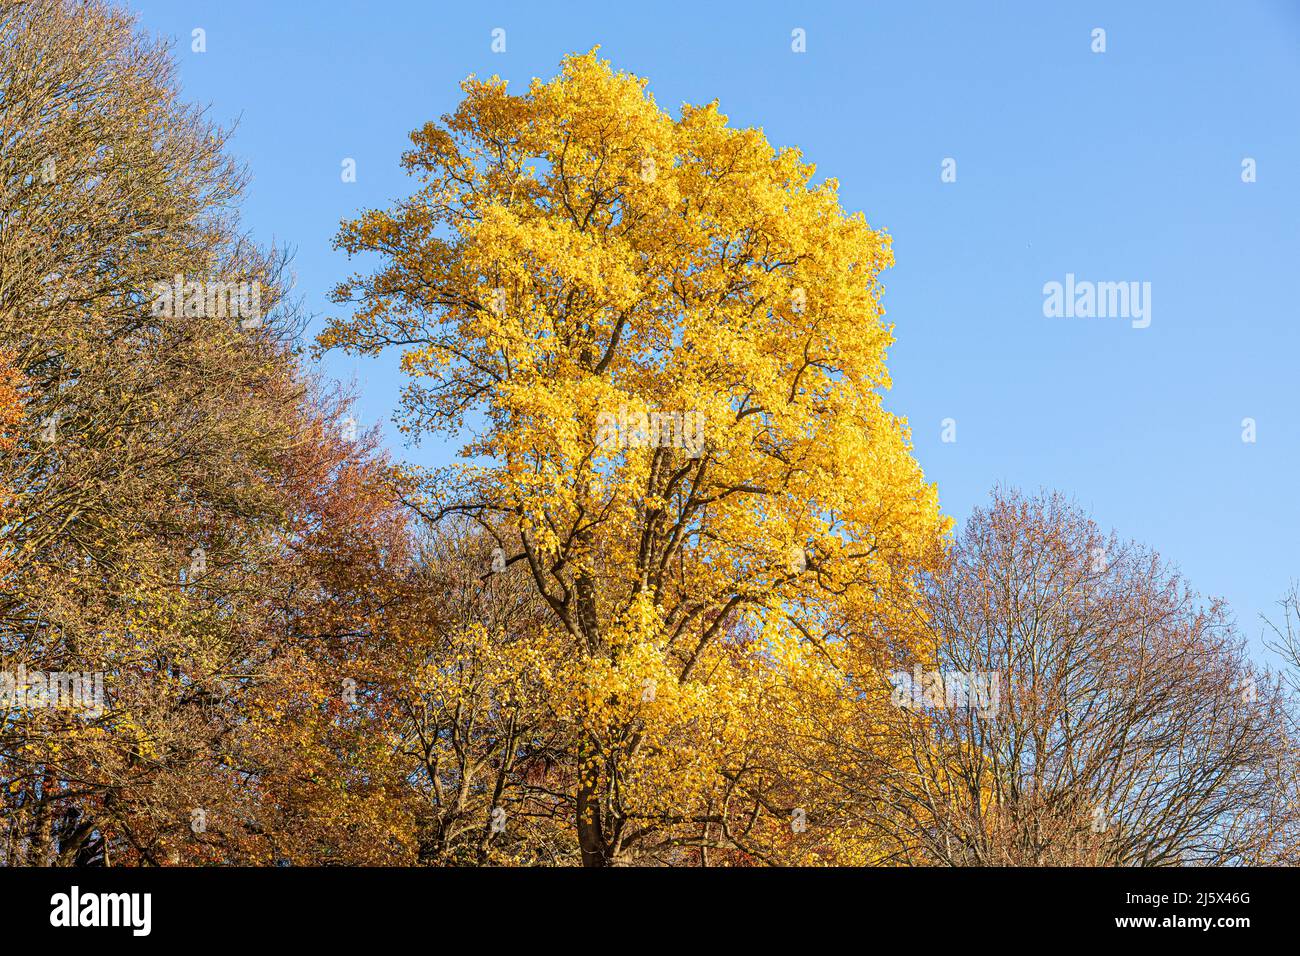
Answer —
1121 166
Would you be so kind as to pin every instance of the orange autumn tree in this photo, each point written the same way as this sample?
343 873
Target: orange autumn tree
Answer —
181 513
668 341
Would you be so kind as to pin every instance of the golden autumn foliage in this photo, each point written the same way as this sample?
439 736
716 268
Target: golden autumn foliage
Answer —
669 340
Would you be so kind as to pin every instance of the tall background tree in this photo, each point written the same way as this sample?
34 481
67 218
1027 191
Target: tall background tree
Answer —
155 506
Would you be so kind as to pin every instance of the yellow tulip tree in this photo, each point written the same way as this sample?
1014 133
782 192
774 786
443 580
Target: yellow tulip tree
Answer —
665 343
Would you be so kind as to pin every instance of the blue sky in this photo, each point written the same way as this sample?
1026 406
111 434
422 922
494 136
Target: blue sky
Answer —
1117 166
